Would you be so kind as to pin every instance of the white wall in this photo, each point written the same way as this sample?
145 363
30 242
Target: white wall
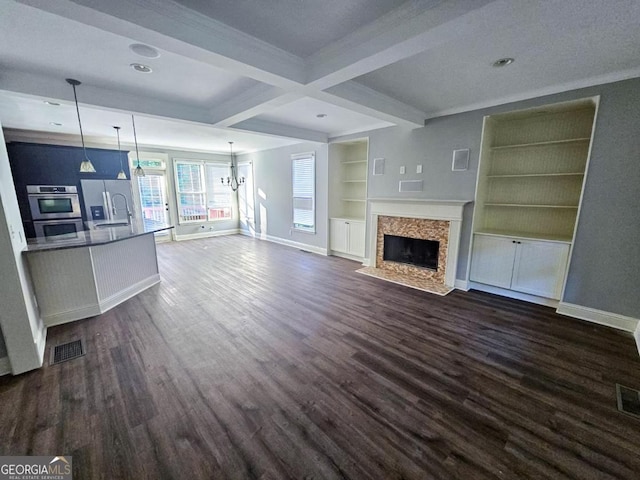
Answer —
273 190
23 330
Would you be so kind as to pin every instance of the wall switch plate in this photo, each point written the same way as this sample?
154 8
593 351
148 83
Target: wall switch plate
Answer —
403 170
419 169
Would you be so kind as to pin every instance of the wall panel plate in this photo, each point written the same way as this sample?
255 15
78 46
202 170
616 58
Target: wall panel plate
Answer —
410 186
460 160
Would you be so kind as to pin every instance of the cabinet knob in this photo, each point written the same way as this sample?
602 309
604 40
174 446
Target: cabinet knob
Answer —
513 241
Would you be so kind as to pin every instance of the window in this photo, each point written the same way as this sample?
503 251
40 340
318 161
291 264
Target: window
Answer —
200 194
304 192
218 195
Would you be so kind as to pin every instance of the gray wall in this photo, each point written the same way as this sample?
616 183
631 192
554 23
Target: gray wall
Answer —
3 347
605 268
272 188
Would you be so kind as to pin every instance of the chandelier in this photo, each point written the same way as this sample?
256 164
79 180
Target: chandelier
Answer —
233 180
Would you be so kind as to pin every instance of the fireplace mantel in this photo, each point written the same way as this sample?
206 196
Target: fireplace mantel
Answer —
431 209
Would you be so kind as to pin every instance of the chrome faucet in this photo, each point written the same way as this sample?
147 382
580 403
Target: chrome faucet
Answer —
126 205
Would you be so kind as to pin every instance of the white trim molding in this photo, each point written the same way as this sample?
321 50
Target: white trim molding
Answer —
636 335
207 234
614 320
461 285
287 243
5 366
449 210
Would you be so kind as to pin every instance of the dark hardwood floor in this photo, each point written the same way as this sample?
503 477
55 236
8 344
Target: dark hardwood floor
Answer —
257 361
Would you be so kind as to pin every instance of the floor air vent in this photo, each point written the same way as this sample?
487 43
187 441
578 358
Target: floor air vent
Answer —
628 400
67 351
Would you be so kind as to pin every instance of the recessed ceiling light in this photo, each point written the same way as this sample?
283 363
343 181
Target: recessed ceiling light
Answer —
321 115
138 67
144 50
55 124
53 104
503 62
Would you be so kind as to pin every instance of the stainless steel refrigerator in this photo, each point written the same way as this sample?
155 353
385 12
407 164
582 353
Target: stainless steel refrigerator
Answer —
107 200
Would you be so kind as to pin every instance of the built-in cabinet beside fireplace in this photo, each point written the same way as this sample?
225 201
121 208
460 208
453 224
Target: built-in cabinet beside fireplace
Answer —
348 198
530 180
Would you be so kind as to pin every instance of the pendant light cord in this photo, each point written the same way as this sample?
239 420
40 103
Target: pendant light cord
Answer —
84 149
136 139
119 151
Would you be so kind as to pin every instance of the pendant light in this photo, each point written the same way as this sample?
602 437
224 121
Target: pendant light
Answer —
233 181
86 166
121 174
138 172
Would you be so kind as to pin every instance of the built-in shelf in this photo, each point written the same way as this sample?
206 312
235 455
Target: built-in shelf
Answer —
348 174
550 142
525 235
522 175
526 205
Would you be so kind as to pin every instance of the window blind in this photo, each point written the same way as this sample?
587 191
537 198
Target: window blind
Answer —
304 186
219 196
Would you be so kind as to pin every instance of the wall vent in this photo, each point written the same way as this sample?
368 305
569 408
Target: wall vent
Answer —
460 160
410 186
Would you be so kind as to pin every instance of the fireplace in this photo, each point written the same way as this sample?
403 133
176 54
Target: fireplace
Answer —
437 223
412 251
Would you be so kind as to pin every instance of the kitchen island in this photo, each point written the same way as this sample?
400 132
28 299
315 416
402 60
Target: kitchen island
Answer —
84 274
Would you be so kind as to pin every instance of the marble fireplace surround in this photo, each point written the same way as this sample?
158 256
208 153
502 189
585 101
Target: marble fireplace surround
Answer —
449 211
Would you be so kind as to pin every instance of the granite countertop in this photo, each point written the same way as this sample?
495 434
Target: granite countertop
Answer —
93 236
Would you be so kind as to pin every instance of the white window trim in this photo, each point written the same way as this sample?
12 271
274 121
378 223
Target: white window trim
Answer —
202 164
296 156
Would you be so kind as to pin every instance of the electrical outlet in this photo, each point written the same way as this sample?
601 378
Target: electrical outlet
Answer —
202 227
403 170
419 169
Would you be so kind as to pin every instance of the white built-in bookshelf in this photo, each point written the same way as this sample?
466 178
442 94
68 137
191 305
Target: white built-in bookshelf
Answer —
530 180
348 197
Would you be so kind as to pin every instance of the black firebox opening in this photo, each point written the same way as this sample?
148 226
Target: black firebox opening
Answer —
421 253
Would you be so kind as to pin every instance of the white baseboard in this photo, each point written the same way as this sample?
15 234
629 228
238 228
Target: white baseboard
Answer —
461 285
127 293
548 302
291 243
636 335
207 234
5 366
103 306
348 257
627 324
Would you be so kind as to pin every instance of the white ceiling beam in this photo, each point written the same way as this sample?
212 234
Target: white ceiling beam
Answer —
413 28
57 88
280 130
252 102
362 99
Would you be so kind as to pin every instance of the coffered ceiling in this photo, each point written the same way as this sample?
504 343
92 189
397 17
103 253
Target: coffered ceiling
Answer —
268 68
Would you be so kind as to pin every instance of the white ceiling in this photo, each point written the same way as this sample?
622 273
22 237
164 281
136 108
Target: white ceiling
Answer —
568 42
263 70
301 27
303 113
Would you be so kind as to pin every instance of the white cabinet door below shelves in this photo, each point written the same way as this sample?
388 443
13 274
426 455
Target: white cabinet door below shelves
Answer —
338 235
356 238
539 268
492 260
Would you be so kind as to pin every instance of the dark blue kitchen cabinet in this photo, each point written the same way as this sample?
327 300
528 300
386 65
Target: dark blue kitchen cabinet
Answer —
38 164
